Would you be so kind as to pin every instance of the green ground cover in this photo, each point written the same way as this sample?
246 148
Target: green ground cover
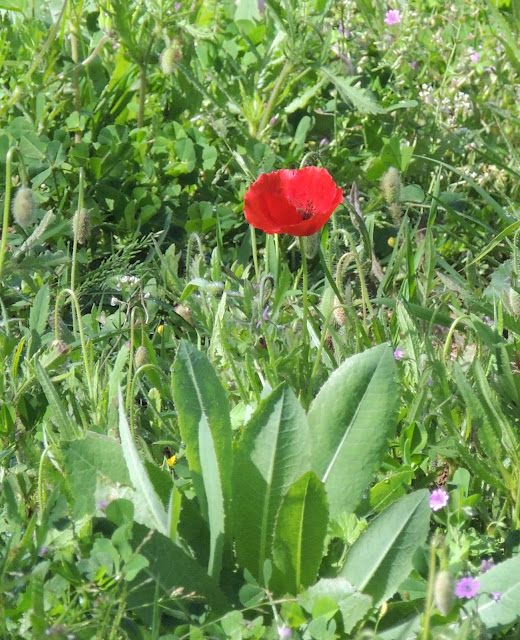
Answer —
211 429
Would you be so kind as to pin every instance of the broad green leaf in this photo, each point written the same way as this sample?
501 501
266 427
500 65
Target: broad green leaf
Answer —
94 466
153 510
14 5
186 153
299 535
352 604
350 421
381 558
171 569
247 10
361 99
174 511
40 310
388 490
504 578
271 455
301 101
59 416
205 426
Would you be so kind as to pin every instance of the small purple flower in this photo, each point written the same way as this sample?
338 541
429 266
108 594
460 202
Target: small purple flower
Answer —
486 565
176 6
323 142
430 382
43 551
393 17
265 314
414 65
273 120
438 499
261 6
495 595
284 632
474 57
467 587
102 505
399 354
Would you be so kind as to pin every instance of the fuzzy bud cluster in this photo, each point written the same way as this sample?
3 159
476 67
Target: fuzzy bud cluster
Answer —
23 207
141 357
81 225
169 57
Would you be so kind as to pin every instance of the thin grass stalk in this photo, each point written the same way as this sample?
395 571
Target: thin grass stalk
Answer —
135 377
75 228
428 605
305 296
77 310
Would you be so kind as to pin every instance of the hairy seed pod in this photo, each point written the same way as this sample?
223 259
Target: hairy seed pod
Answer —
311 245
444 592
185 313
140 357
23 207
514 301
339 314
391 186
169 57
81 225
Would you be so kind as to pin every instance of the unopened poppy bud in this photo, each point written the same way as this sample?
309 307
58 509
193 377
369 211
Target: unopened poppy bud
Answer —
81 225
514 302
444 592
391 186
184 312
311 245
154 396
23 207
140 356
339 314
169 57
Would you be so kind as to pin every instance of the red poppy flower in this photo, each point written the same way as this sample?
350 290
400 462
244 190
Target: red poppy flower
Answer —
298 202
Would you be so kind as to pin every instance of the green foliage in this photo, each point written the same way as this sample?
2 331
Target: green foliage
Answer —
161 472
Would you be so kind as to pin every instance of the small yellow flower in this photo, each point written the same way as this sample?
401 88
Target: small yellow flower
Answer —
391 241
171 461
160 329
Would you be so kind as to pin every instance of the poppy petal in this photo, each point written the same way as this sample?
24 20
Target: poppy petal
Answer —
297 202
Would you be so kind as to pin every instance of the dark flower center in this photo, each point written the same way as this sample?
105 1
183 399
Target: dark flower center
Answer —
305 210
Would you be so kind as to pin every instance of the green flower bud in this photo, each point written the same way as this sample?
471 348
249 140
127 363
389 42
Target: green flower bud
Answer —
311 245
141 357
514 302
444 592
391 186
169 57
81 225
23 207
339 314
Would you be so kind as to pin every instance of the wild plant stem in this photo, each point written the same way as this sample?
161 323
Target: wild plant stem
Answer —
75 228
76 308
142 95
254 247
7 205
274 95
429 593
305 300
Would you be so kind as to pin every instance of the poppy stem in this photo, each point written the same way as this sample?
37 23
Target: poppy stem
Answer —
255 252
305 332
